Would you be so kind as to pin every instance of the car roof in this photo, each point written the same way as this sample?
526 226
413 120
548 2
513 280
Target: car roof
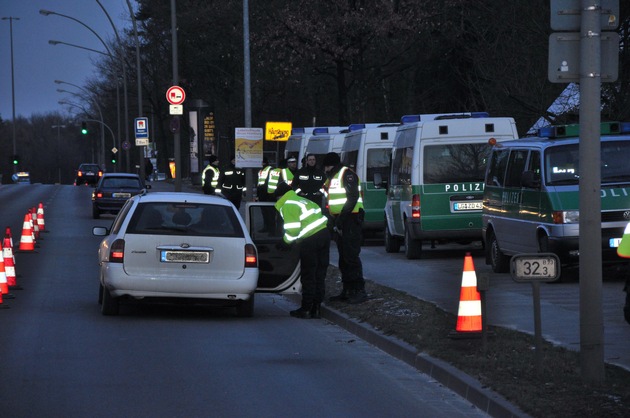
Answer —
121 175
544 142
182 197
89 164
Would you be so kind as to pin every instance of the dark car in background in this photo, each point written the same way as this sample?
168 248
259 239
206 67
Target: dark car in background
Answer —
88 174
113 190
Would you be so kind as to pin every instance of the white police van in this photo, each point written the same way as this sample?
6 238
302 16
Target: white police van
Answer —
367 149
321 144
437 178
531 196
297 142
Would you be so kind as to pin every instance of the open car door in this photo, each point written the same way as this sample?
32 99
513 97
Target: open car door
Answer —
279 268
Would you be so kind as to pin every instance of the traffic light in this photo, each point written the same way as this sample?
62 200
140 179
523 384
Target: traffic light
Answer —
84 129
113 158
16 160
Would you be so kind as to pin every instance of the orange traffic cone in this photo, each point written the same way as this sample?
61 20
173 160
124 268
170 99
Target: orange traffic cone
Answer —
4 286
469 314
34 223
40 218
9 265
2 306
27 243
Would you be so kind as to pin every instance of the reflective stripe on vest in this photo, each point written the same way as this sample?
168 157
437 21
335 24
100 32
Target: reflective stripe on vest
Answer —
262 175
215 178
624 246
310 221
337 194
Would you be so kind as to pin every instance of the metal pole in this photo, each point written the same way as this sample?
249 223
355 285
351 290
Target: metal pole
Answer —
176 135
591 315
11 19
249 173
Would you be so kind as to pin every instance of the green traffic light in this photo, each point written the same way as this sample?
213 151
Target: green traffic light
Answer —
84 129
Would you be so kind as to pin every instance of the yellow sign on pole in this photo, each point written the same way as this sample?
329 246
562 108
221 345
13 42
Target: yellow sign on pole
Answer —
277 131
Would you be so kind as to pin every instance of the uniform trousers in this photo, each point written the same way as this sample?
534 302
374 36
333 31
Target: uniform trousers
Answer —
314 259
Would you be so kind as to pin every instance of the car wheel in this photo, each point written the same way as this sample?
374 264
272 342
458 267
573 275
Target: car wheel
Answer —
245 308
95 212
413 247
110 305
500 262
392 244
566 274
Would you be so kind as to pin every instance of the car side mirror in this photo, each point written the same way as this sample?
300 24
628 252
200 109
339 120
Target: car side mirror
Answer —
530 180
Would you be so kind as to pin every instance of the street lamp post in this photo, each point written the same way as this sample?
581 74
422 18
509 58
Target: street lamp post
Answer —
11 19
58 127
55 42
100 112
122 64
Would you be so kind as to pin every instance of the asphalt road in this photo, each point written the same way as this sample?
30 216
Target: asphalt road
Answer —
59 357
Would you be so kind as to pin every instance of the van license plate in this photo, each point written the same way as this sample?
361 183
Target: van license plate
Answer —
614 242
185 257
461 206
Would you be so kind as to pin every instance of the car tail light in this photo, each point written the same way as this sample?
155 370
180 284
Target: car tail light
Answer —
251 258
117 251
99 195
415 206
80 173
100 173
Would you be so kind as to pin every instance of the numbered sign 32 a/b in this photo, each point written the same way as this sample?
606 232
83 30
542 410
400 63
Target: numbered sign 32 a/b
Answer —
541 267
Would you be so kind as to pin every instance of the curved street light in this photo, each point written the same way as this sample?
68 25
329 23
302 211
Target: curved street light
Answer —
55 42
122 63
11 19
88 96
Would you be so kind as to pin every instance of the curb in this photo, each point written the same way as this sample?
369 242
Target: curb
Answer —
454 379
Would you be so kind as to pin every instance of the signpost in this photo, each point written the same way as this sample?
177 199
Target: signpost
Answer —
534 269
142 131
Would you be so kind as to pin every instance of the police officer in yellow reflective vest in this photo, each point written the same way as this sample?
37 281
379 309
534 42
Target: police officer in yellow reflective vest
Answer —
263 180
624 251
232 183
306 226
345 206
285 172
210 176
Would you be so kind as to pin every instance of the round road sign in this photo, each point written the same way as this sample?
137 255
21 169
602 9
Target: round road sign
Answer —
175 95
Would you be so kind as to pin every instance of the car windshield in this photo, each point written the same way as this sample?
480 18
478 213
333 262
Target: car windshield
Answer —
121 183
89 167
562 163
197 219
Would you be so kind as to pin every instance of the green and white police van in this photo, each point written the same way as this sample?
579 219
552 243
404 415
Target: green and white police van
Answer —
367 149
321 144
297 142
531 196
437 178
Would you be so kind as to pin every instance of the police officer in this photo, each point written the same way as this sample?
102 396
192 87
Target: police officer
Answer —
210 176
285 172
305 225
309 181
232 183
263 181
346 211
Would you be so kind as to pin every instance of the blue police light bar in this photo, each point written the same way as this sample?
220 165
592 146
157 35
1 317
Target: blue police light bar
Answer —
479 115
409 119
624 128
356 127
547 132
297 131
319 131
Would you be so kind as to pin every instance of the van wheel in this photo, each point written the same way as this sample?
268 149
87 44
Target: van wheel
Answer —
413 247
392 244
500 262
565 274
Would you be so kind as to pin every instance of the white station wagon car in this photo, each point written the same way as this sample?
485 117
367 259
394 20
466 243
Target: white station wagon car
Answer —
176 247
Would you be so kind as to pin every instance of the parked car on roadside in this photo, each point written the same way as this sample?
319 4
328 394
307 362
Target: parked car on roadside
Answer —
88 174
187 247
113 190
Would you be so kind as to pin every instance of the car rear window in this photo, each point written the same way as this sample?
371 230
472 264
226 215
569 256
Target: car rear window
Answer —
196 219
121 183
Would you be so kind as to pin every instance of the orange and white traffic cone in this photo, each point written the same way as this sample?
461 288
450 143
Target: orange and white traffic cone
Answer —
469 320
9 265
27 243
40 218
4 285
35 224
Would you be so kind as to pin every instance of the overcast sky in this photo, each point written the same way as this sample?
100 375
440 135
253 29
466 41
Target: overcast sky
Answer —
37 64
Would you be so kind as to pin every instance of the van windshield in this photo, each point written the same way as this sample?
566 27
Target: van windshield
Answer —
455 163
562 163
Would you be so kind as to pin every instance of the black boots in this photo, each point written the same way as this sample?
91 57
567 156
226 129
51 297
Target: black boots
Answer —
303 313
341 297
314 311
353 296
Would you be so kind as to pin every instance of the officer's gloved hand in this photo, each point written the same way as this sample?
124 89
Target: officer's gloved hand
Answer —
339 222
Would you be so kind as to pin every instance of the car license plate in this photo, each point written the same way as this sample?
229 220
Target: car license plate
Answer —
462 206
125 195
614 242
89 173
185 257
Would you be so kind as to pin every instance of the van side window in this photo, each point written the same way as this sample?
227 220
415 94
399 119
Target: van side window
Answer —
561 163
349 159
401 166
534 165
378 162
516 166
496 169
